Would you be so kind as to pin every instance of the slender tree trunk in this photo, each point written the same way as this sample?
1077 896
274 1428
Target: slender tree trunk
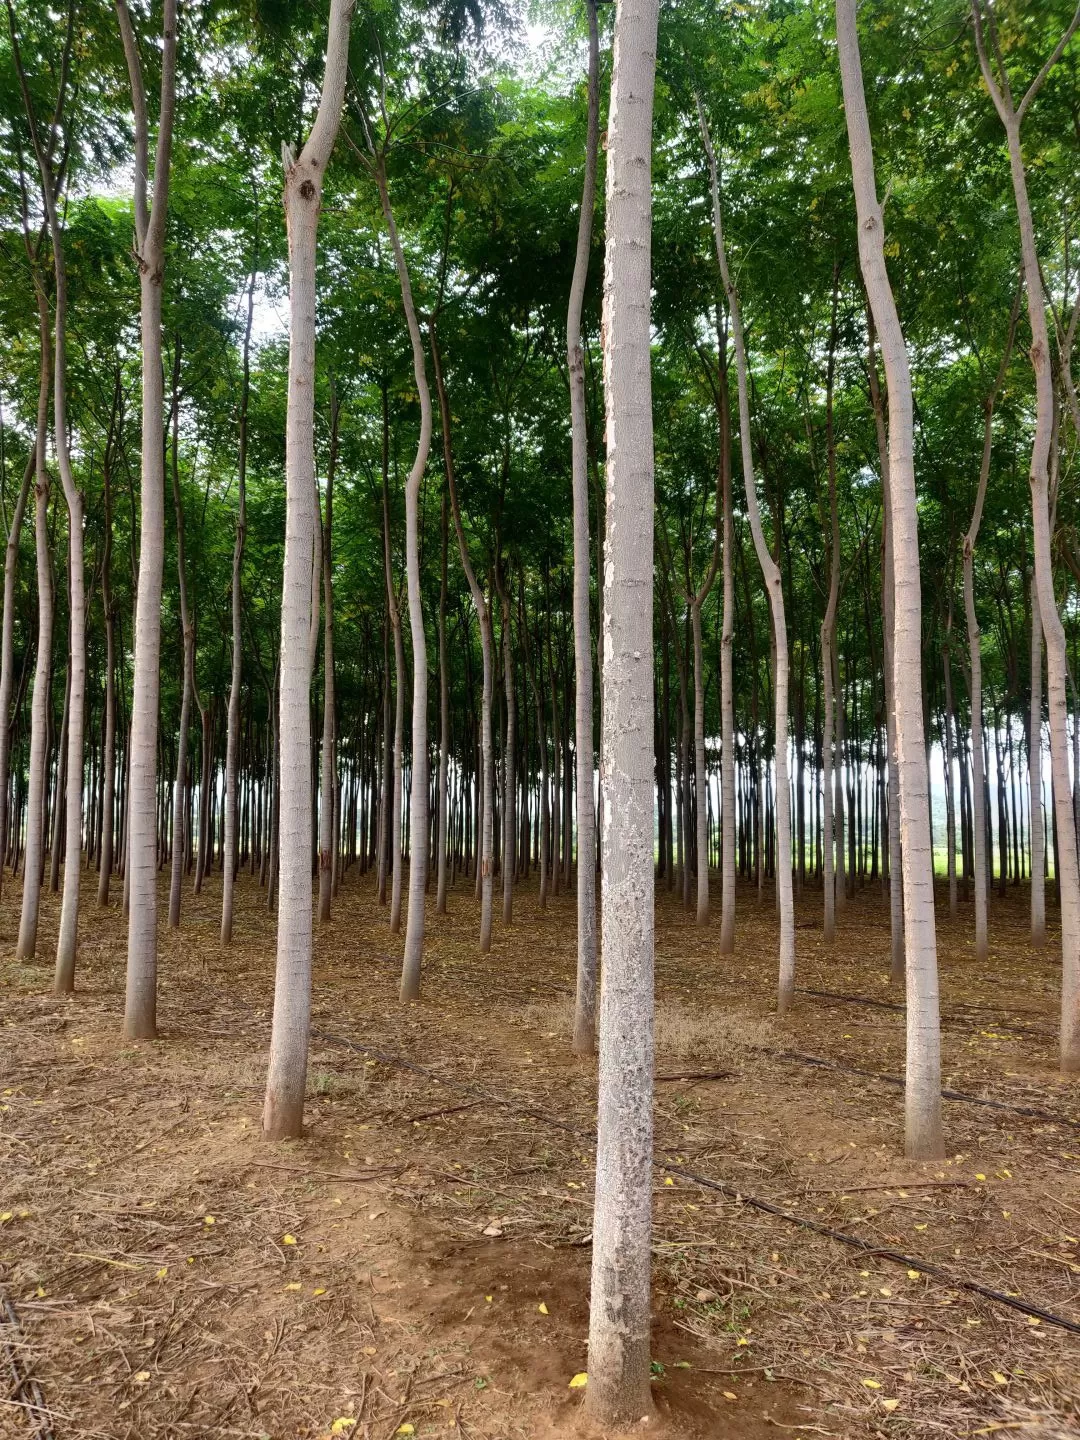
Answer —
585 992
619 1364
828 634
771 573
187 629
140 1007
232 734
283 1110
418 797
7 644
923 1088
329 735
1066 871
485 860
444 717
33 855
509 782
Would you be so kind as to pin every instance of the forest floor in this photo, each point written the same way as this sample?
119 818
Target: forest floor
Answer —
419 1263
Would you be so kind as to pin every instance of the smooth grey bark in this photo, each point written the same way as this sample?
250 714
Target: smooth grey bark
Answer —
774 589
329 734
105 863
509 782
923 1136
619 1362
140 1001
33 855
485 860
584 1038
888 606
418 794
232 734
1035 783
283 1108
1068 874
444 721
975 646
7 643
187 630
828 642
394 777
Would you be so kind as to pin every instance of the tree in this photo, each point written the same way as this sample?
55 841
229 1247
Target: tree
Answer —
923 1138
140 1005
283 1107
1012 119
619 1367
585 992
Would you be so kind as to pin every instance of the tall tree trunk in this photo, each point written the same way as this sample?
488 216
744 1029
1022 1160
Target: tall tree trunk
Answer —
923 1088
187 630
975 645
585 992
140 1004
508 782
232 734
283 1109
1067 874
444 718
828 635
485 860
329 735
108 760
771 573
619 1365
33 856
7 644
418 796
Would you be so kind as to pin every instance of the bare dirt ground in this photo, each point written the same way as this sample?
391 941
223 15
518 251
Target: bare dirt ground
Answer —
418 1264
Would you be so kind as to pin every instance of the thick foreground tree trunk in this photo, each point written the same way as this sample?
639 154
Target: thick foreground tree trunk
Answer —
619 1361
283 1108
923 1089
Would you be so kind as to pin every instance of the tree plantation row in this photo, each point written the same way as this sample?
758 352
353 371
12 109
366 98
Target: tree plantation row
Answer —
382 510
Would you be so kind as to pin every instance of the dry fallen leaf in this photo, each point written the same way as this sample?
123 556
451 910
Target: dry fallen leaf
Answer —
580 1379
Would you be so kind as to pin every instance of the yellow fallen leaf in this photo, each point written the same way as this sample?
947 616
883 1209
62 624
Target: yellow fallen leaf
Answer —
406 1429
920 1227
321 1290
872 1384
669 1181
208 1220
580 1379
979 1175
5 1217
294 1285
141 1377
163 1272
40 1293
889 1405
1034 1320
730 1395
742 1341
884 1290
342 1423
542 1308
1000 1379
288 1239
489 1298
914 1274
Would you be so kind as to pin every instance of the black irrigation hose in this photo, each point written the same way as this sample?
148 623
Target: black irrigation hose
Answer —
797 1057
853 1242
25 1390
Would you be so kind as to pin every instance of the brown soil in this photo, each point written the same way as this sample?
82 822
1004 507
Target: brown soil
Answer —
175 1276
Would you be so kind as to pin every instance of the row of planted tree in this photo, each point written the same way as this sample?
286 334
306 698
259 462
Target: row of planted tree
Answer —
357 590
